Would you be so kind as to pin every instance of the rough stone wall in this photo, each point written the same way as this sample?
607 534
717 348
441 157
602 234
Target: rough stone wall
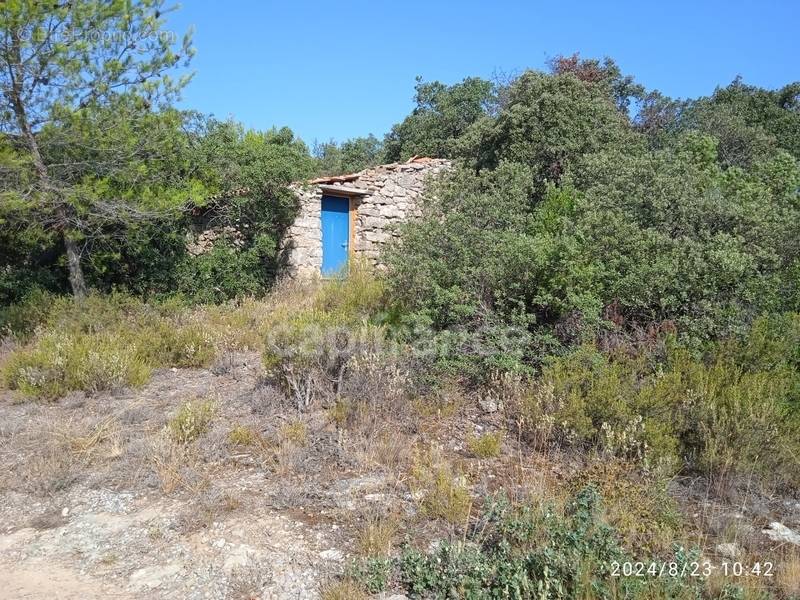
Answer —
393 191
303 241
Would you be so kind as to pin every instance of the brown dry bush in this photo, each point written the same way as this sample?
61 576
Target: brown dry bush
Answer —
247 582
441 489
210 505
50 470
343 589
54 456
176 465
378 534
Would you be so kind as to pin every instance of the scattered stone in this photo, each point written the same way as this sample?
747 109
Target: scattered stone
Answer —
391 193
332 554
729 550
778 532
150 578
65 511
488 405
238 558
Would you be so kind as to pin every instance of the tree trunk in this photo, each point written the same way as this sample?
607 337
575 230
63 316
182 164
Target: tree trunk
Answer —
47 189
76 280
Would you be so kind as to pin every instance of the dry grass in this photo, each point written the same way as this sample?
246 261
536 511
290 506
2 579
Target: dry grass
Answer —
343 589
42 462
487 445
209 506
176 465
288 457
103 437
787 574
441 490
443 403
377 536
295 433
241 435
247 583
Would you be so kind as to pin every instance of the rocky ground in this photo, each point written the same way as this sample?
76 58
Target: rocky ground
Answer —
98 502
117 518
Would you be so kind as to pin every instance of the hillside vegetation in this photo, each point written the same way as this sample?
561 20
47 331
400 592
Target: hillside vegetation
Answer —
585 352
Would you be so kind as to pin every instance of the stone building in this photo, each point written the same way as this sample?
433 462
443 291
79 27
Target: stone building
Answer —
349 216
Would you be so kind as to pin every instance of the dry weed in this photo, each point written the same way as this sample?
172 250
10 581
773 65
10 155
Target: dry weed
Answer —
787 574
176 465
343 589
377 536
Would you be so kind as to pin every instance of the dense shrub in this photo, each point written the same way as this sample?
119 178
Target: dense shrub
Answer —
705 255
723 415
101 343
568 217
59 362
191 421
529 551
311 350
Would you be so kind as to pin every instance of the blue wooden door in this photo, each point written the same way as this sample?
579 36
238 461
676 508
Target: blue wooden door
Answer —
335 235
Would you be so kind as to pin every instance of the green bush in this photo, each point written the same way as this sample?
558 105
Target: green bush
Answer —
176 344
59 362
720 415
22 318
100 343
191 421
535 552
588 230
442 490
487 445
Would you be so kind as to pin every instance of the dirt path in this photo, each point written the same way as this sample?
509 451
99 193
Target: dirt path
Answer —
43 580
140 551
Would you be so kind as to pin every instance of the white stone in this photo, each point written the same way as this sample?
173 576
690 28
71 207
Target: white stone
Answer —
488 405
393 194
150 578
238 558
332 554
729 550
778 532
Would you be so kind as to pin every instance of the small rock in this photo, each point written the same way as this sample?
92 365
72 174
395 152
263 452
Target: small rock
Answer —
220 543
65 511
488 405
778 532
332 554
729 550
151 577
238 558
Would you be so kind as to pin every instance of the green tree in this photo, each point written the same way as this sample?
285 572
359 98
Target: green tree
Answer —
442 114
256 167
60 62
350 156
622 88
549 122
567 222
751 123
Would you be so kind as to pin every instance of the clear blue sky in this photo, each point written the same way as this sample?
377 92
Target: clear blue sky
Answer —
343 69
